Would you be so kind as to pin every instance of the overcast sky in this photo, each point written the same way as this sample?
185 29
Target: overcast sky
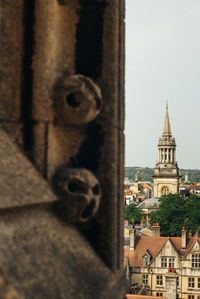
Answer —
162 62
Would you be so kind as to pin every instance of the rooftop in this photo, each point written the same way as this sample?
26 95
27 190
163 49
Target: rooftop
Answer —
154 245
150 203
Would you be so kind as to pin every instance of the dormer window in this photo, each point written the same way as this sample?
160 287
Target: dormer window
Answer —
145 260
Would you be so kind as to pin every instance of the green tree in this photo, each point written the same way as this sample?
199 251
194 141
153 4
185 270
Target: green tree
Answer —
176 212
132 214
193 213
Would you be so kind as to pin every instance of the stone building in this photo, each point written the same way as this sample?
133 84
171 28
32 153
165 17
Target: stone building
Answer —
166 172
61 130
146 207
155 261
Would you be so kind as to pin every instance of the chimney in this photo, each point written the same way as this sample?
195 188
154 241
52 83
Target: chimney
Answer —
183 238
155 229
171 285
132 234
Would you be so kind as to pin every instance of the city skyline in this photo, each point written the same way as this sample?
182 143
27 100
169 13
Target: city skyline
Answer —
162 63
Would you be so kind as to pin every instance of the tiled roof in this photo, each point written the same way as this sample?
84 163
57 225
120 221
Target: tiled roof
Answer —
154 245
177 243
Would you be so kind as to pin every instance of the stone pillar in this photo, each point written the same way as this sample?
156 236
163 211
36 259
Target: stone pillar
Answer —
172 155
171 285
167 155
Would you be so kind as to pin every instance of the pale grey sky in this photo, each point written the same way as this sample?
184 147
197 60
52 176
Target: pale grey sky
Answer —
162 62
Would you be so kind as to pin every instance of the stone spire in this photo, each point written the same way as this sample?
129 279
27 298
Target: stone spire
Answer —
167 128
166 166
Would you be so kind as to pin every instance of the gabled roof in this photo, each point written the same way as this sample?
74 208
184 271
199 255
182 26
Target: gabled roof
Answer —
190 242
192 245
154 245
144 243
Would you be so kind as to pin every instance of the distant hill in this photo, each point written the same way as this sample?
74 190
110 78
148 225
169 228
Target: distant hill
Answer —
145 173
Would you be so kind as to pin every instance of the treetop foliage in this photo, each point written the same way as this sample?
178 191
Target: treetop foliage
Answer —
132 214
176 212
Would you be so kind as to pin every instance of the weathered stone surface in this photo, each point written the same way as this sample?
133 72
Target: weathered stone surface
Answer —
44 258
20 183
11 50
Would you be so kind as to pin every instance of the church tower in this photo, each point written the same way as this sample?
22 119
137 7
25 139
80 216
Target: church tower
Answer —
166 172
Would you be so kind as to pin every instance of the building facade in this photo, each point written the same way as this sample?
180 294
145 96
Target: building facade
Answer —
166 172
153 260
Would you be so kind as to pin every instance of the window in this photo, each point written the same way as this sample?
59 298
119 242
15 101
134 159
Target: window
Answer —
171 262
145 279
145 260
196 260
177 281
159 294
190 296
190 282
167 262
163 262
165 190
199 283
159 280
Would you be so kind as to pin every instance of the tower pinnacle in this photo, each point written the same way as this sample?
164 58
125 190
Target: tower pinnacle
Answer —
167 128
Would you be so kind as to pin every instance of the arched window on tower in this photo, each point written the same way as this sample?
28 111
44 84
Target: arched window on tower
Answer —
165 190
